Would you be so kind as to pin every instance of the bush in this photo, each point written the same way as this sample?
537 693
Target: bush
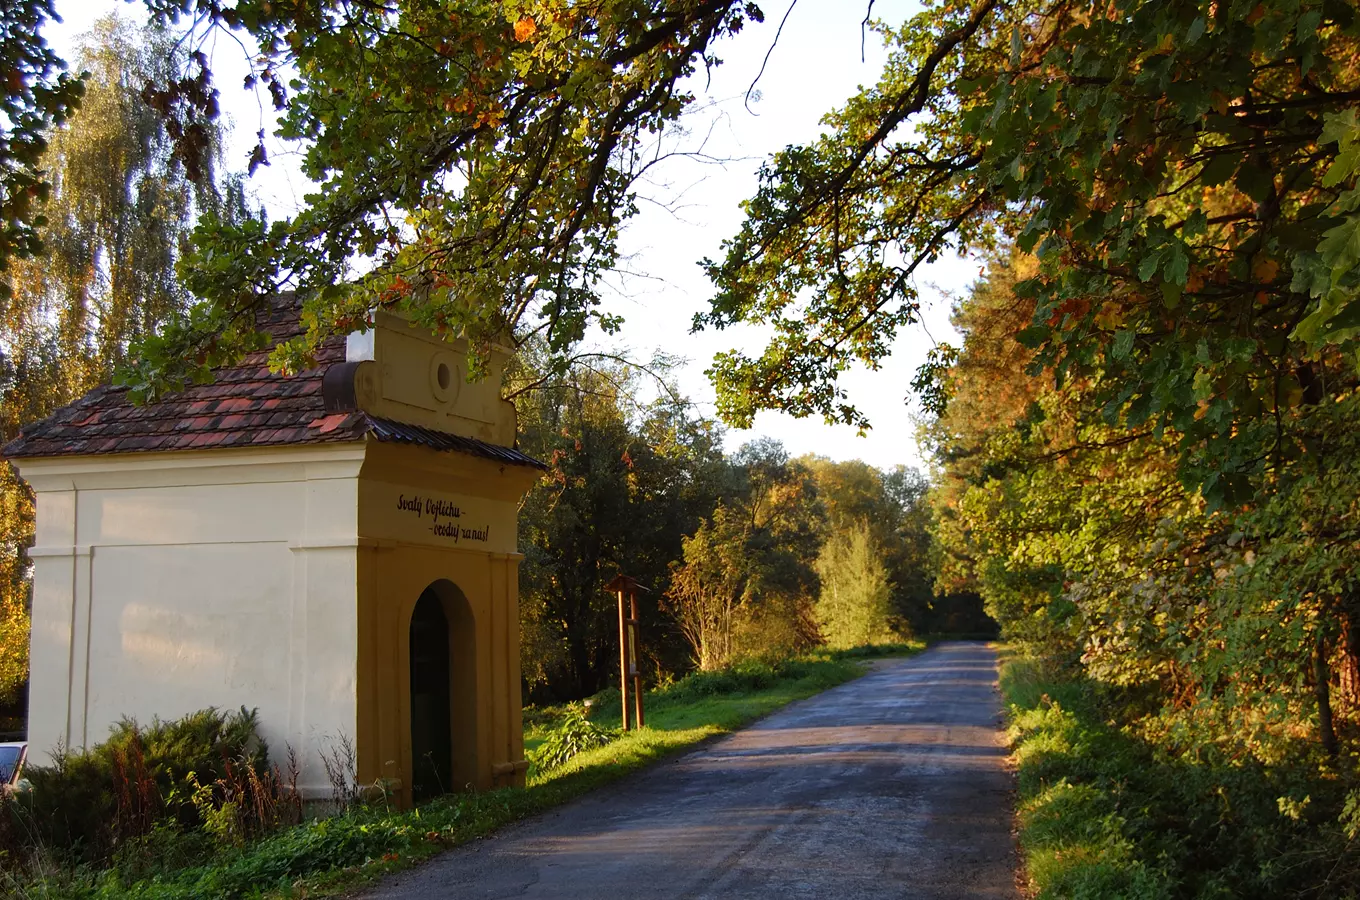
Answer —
880 650
1105 813
169 775
574 734
747 675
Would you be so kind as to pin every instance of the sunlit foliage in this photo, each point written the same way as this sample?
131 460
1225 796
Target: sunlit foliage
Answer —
854 604
38 95
478 158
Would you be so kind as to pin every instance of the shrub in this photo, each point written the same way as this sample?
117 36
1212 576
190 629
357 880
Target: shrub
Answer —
748 675
248 801
575 734
89 804
745 676
888 648
1106 813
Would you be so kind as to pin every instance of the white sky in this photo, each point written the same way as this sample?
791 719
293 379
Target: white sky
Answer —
815 67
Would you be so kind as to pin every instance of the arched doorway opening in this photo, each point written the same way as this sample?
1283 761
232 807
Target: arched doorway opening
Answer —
431 737
443 692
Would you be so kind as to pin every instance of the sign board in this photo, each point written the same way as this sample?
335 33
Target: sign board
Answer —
421 516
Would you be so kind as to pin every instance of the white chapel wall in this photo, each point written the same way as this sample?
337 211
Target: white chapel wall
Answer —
162 589
196 626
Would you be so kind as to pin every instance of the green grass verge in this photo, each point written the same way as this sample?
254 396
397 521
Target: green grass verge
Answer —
329 856
1102 814
1073 834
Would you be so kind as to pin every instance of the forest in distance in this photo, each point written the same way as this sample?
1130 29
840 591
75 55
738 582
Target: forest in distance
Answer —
1144 460
749 554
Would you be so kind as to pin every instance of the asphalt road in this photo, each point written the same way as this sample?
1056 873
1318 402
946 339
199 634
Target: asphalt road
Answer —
892 785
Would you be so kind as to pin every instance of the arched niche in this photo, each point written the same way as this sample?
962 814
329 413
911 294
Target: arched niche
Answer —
442 692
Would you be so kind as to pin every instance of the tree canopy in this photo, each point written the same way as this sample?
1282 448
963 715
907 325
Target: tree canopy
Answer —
38 96
1181 171
1184 172
1179 179
474 159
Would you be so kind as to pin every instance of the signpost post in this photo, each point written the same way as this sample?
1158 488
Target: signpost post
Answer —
630 673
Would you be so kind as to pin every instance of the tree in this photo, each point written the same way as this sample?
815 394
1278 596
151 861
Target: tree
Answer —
507 135
785 525
1171 165
746 584
707 590
851 491
112 228
627 480
1087 544
38 97
853 606
119 215
893 506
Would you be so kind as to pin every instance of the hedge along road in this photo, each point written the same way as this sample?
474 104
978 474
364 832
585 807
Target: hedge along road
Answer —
892 785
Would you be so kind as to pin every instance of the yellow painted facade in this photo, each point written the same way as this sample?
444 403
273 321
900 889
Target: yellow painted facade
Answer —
478 587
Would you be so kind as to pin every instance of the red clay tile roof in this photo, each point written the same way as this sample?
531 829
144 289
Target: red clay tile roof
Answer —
246 406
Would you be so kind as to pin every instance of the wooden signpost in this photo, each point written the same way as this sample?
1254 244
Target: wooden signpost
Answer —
630 673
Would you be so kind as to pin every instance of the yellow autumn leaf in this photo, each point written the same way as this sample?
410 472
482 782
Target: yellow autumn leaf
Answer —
1265 269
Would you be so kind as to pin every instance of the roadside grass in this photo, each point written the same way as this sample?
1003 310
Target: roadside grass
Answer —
722 701
1071 771
338 854
1104 814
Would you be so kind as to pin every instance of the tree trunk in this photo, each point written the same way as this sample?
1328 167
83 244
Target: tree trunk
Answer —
1348 667
1322 690
580 683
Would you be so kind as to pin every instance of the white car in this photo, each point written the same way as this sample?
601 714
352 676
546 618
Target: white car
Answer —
12 757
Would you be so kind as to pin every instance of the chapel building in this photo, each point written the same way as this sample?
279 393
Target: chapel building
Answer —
336 550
